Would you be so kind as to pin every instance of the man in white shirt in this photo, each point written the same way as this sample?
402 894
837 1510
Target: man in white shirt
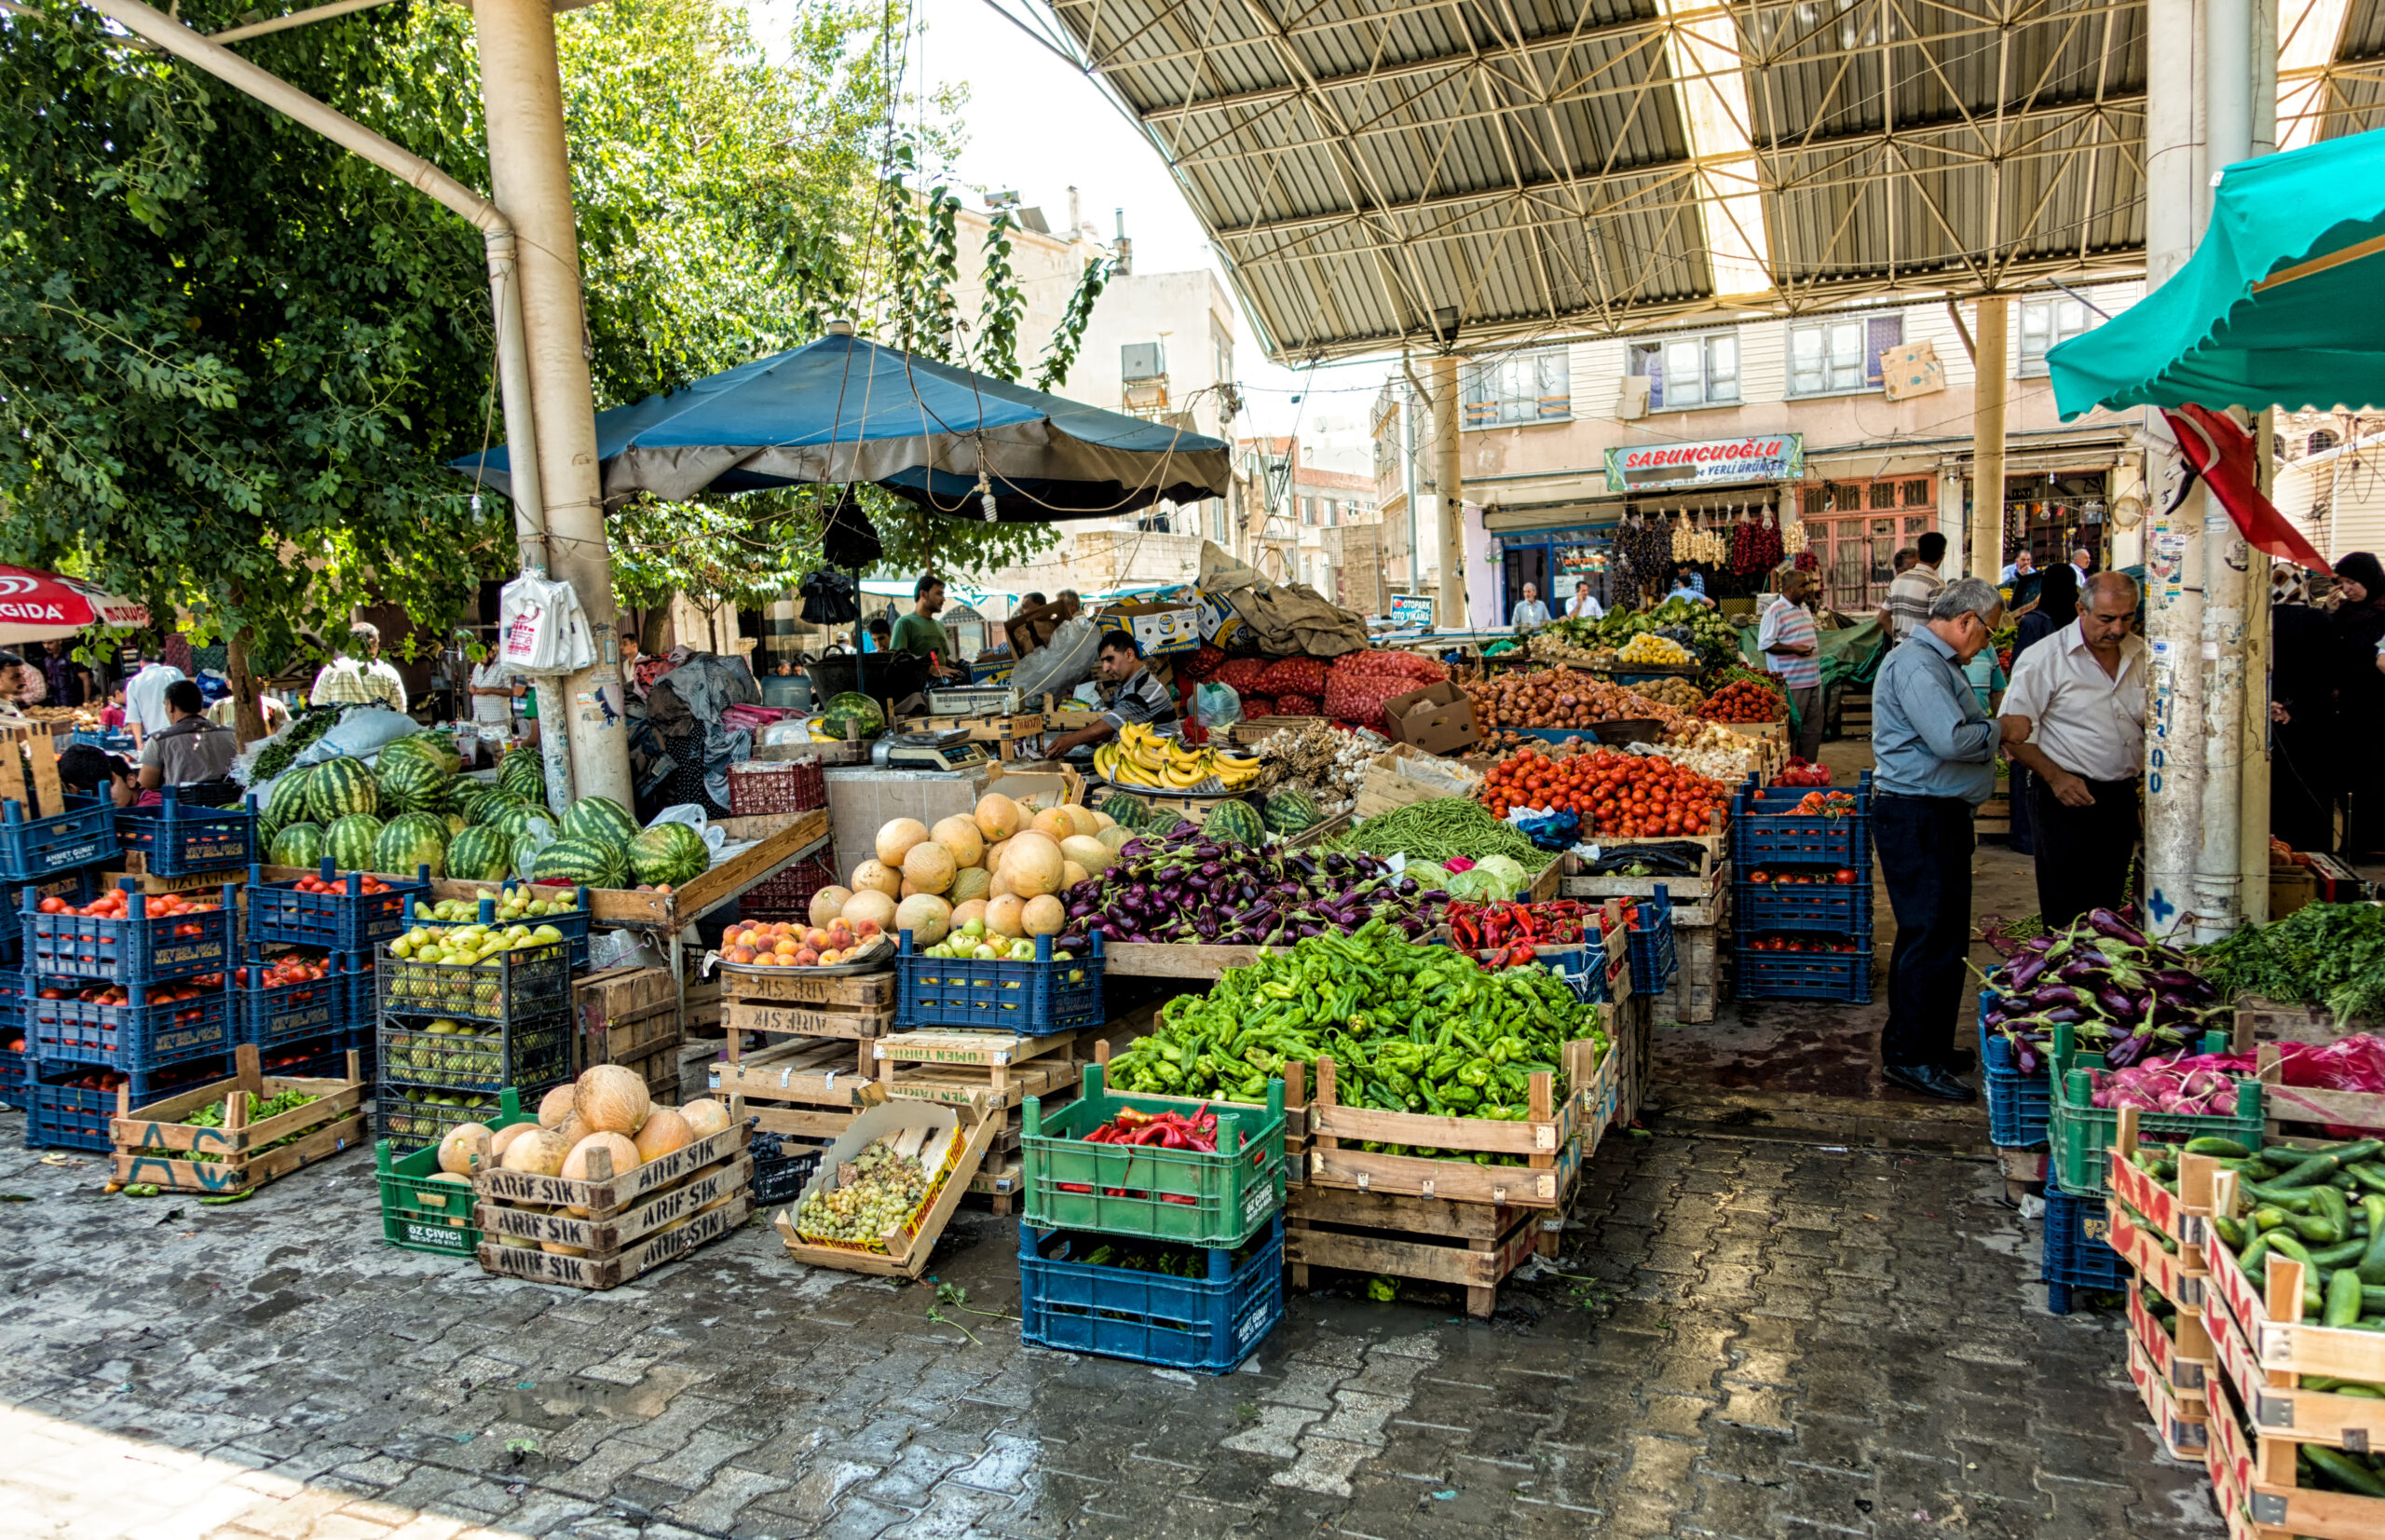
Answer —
357 675
2075 715
144 697
2084 559
1585 604
493 686
1530 614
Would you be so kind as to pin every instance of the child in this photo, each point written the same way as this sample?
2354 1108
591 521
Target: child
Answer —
111 714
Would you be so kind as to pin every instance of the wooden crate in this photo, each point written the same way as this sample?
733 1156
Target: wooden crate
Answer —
707 1188
248 1155
136 871
961 1086
2259 1020
1545 1141
603 1195
808 1088
1460 1245
2177 1427
1010 738
968 1169
1697 989
29 768
2279 1408
641 1035
613 1270
990 1058
1697 901
657 1065
797 1002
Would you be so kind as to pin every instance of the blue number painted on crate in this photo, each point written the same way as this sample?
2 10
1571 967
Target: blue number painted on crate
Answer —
164 1171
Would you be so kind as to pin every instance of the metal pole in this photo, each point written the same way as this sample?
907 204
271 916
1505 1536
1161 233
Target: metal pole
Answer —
1447 474
1986 542
522 94
2174 734
1407 483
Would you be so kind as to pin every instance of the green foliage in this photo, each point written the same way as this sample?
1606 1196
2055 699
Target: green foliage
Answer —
1060 355
997 314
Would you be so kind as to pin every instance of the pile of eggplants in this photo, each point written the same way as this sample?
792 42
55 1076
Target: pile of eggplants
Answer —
2117 990
1185 887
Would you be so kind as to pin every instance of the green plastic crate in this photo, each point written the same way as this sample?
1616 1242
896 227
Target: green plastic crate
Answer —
1178 1195
418 1213
2078 1131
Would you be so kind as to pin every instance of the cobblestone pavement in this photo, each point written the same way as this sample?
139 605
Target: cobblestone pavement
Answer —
1758 1339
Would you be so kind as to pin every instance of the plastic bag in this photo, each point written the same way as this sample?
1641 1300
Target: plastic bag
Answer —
541 629
360 734
695 818
536 838
1061 664
1216 705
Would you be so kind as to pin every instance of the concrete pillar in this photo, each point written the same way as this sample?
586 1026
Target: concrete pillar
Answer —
1446 474
584 729
1986 546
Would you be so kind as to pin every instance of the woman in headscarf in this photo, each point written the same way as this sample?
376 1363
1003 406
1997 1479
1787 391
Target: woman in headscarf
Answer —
2360 703
2057 595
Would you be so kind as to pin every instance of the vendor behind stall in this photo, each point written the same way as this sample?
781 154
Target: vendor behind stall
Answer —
1131 693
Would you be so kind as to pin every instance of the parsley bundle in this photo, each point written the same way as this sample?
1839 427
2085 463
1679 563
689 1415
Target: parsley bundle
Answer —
2331 955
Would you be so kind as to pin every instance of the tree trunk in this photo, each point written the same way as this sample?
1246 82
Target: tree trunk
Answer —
248 717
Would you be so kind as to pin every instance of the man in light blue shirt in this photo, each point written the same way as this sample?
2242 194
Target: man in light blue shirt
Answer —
1934 747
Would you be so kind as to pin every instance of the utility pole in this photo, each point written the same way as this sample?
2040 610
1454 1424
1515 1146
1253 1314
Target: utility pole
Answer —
1987 540
1452 489
582 715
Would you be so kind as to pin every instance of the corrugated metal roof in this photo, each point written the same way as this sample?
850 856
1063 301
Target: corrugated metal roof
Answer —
1363 164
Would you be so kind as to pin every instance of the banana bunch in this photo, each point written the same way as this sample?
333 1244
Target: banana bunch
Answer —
1139 756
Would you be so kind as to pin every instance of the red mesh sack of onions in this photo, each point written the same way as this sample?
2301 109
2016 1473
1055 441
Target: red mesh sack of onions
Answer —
1358 684
1297 706
1255 706
1296 677
1242 673
1204 663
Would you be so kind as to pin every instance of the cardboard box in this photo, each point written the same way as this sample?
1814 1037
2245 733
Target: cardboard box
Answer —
1219 621
1438 719
1161 628
1912 370
1049 787
945 1142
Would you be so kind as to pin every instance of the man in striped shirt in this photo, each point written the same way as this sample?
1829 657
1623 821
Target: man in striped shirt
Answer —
1793 649
1133 694
1916 589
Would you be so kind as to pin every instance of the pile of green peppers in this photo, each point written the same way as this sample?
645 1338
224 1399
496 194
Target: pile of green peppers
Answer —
1409 1028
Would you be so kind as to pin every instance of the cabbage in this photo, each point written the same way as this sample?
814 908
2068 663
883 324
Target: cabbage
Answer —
1492 878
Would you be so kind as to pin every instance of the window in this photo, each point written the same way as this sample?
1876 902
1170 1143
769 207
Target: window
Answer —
1826 357
1308 511
2321 441
2047 323
1686 372
1520 387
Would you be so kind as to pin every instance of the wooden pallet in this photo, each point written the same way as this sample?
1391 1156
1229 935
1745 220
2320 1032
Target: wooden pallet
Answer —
148 1140
808 1087
1467 1245
999 1181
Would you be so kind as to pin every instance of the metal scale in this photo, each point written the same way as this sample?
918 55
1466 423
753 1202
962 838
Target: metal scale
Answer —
948 750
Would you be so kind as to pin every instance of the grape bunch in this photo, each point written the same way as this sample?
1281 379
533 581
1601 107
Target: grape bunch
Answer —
875 1192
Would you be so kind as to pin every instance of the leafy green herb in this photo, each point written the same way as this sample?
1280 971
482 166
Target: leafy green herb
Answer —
2331 955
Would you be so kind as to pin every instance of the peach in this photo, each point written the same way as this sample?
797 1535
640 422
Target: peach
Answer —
807 958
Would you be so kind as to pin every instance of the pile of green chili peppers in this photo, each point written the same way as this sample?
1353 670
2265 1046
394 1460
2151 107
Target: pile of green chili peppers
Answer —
1409 1028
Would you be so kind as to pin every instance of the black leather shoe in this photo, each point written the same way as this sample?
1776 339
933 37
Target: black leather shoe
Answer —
1959 1061
1930 1080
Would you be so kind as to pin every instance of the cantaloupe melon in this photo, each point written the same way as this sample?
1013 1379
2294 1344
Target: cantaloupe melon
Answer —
909 888
1000 884
1002 915
464 1149
1043 916
1034 865
580 1165
897 836
705 1117
1101 821
963 913
556 1248
928 917
612 1099
961 839
1072 874
1054 824
666 1131
969 882
456 1205
1086 819
1115 836
554 1107
928 867
828 903
1088 852
538 1155
997 817
499 1141
874 876
870 903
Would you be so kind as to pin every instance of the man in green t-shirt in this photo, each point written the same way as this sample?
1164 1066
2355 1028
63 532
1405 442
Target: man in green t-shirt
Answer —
919 634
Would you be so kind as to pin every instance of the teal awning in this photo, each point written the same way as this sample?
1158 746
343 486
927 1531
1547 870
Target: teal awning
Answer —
2283 304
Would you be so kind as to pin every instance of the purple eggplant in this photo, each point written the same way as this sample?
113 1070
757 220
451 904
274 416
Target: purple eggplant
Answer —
2023 972
2106 922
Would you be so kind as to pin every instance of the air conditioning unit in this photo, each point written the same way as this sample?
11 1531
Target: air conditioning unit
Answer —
1632 397
1142 360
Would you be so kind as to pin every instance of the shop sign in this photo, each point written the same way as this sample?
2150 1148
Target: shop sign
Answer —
1411 609
1763 457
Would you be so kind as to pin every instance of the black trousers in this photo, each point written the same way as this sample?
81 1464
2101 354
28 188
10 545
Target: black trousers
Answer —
1925 846
2082 853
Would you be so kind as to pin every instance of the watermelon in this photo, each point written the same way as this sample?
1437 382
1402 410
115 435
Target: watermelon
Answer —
465 794
1235 820
340 787
857 708
521 773
486 808
419 748
519 818
411 783
1125 810
672 853
590 863
1289 811
350 842
410 840
480 854
599 818
299 845
286 803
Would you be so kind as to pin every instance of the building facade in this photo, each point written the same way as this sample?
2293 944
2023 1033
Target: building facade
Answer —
1310 521
1856 426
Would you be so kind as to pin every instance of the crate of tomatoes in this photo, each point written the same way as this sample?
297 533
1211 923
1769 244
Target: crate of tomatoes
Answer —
338 911
128 937
1804 898
1614 793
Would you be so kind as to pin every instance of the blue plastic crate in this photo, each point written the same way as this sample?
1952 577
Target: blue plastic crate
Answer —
2018 1105
117 742
323 1058
15 1086
139 948
32 849
1765 832
2078 1252
349 921
1839 908
177 838
573 927
1654 957
140 1034
1804 976
1208 1324
1031 999
78 887
339 1002
59 1116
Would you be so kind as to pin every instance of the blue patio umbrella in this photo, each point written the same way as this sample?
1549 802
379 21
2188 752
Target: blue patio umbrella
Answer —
844 409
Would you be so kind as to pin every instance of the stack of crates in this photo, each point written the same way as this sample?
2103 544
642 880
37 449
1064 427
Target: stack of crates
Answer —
1164 1255
139 997
1800 894
455 1036
306 1027
184 839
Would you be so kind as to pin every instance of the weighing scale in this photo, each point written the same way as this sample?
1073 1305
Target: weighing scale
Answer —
948 750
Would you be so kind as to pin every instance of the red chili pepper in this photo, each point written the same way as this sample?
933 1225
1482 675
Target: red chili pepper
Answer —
1073 1185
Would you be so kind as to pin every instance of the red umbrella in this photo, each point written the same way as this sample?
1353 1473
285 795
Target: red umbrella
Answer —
43 606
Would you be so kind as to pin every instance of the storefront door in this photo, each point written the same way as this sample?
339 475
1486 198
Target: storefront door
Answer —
1521 565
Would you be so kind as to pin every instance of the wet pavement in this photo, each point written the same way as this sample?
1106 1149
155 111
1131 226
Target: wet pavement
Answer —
1745 1338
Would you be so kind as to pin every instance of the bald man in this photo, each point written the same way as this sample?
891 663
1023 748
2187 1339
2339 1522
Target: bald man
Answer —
2075 715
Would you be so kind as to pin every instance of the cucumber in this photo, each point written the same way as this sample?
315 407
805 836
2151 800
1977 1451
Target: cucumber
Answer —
2212 1144
2343 1297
